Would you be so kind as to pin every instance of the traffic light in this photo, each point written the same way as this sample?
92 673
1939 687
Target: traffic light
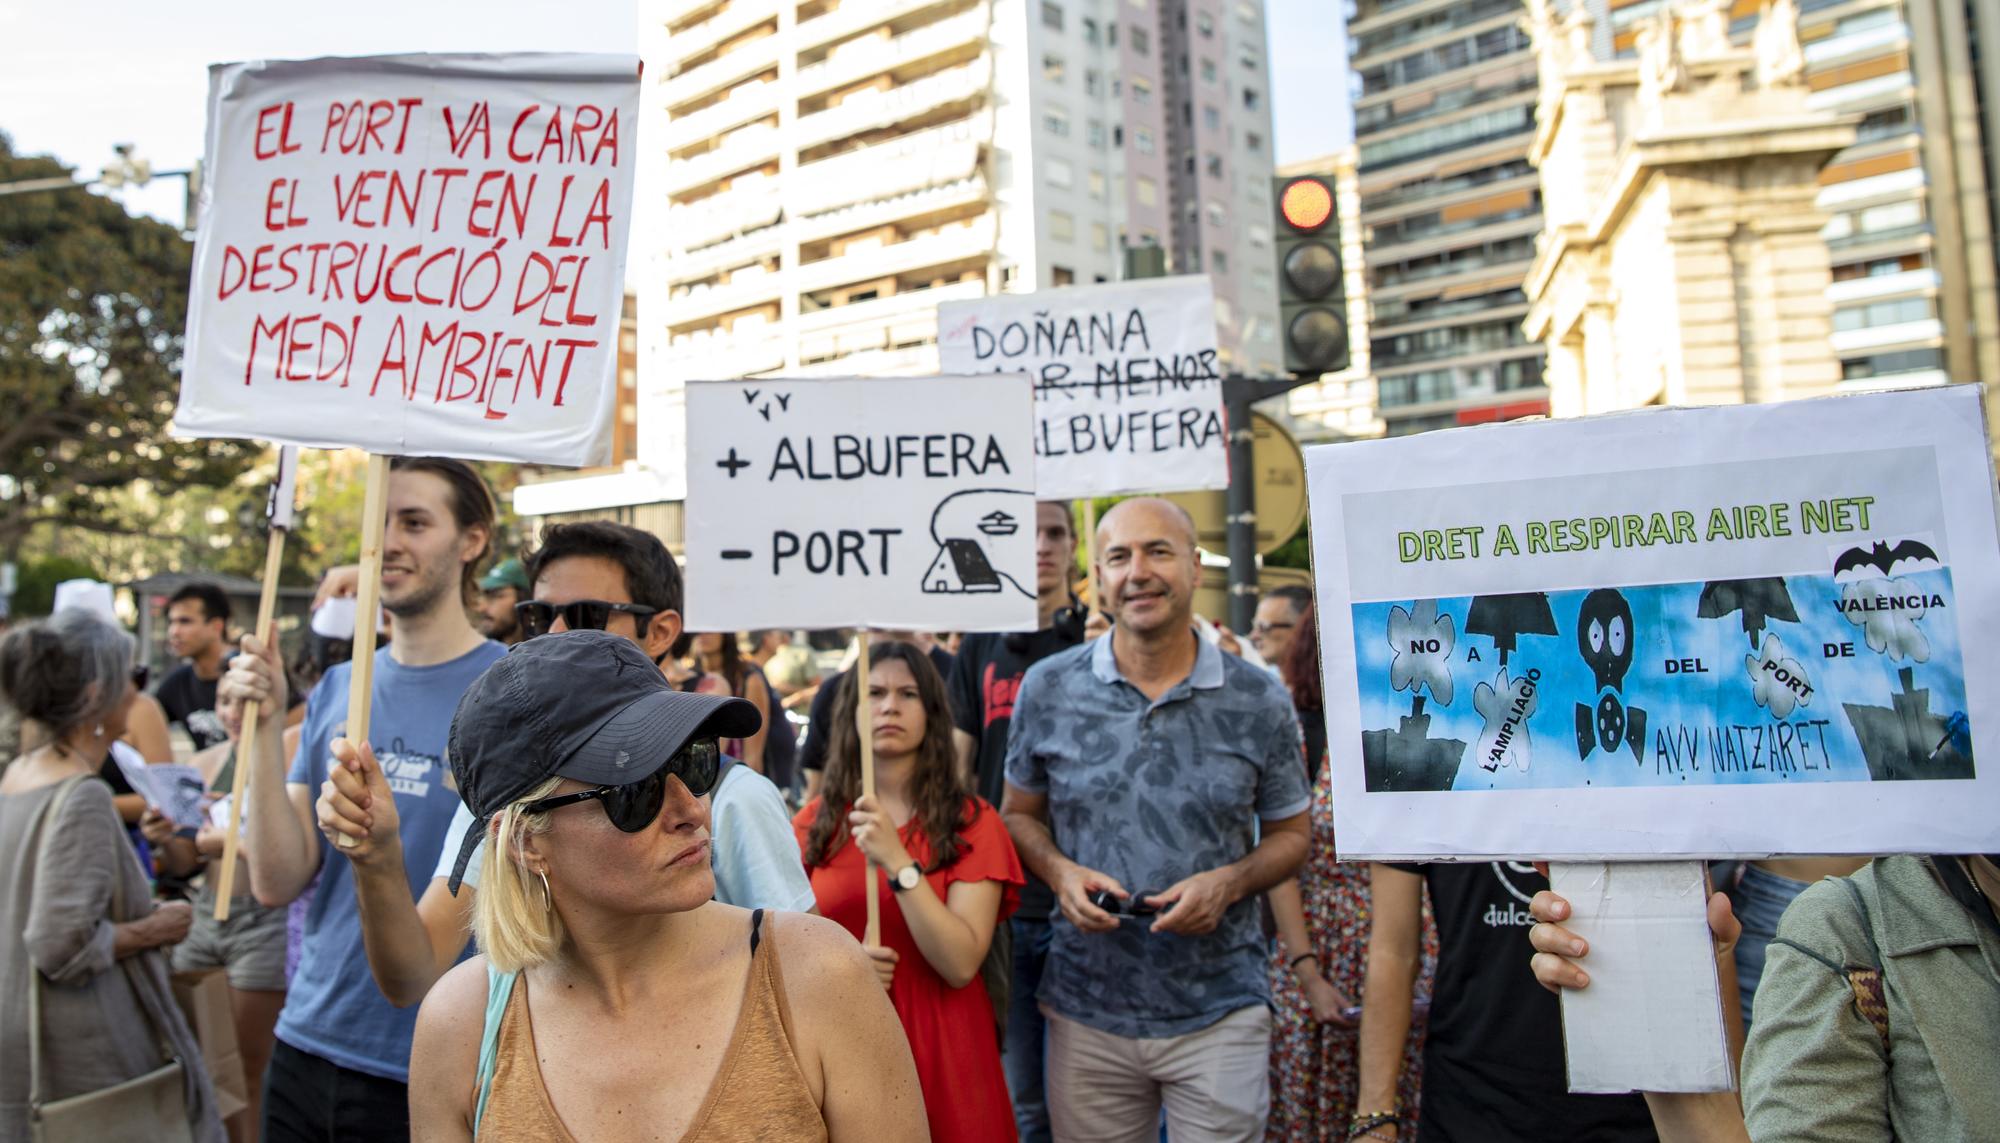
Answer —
1312 301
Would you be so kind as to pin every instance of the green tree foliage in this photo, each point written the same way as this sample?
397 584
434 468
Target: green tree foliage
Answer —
93 308
35 590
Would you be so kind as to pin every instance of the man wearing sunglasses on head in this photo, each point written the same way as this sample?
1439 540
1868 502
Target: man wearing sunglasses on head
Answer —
589 576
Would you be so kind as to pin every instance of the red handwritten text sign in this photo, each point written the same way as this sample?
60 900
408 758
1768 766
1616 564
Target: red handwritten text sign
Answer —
414 254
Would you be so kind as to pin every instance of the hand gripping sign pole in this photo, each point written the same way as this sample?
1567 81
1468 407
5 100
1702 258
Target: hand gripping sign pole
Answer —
368 606
278 510
865 730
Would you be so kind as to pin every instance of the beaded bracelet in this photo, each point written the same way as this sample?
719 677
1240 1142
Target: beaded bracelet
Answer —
1364 1122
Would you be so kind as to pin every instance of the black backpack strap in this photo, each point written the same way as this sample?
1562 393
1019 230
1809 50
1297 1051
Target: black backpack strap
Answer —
756 930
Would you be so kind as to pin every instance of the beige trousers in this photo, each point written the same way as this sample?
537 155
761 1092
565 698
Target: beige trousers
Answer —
1214 1084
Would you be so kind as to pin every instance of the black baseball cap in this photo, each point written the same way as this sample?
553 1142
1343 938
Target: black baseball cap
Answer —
585 705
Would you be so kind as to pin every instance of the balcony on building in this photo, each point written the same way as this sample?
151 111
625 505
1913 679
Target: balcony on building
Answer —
743 150
894 250
823 22
738 288
742 61
890 104
742 205
896 49
717 28
930 158
752 99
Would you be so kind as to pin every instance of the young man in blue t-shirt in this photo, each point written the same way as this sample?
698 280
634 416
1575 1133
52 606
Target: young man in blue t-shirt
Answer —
342 1059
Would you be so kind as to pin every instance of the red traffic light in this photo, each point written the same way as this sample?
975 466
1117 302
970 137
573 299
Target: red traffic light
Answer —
1305 204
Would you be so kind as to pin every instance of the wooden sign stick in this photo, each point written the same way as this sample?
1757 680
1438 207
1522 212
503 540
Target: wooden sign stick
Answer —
367 606
1090 554
267 621
865 726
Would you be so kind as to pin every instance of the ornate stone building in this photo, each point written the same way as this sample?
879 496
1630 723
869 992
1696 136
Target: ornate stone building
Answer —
1682 259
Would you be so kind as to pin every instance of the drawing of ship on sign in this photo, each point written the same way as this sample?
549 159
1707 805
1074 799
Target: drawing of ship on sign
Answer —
1408 759
1907 740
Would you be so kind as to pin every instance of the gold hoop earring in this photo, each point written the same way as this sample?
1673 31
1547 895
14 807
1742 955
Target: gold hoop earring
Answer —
548 898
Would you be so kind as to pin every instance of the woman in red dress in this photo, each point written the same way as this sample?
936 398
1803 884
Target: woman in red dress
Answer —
948 875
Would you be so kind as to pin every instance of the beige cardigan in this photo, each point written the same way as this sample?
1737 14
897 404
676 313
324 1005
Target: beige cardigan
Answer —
56 920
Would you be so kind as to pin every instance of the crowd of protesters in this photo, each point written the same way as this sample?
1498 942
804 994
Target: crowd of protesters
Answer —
594 876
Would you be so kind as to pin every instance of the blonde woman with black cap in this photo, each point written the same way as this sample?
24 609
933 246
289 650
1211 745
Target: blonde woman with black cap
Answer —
614 999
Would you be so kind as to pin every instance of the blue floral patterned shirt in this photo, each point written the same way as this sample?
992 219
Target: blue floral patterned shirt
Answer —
1152 792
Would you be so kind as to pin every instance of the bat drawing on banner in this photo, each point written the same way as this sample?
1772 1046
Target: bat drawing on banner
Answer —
1604 637
1758 599
1884 561
961 565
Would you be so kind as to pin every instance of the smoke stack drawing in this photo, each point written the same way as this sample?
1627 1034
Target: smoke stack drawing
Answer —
1757 599
1504 617
1407 758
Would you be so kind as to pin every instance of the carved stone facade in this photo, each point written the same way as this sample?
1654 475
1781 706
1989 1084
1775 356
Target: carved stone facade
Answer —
1681 260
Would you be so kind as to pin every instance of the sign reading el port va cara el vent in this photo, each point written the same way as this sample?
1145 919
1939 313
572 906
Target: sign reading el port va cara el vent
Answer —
413 254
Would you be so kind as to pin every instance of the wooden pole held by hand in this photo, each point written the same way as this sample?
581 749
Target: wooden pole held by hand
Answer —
864 727
246 740
367 606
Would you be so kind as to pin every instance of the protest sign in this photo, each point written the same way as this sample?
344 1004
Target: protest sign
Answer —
1730 631
1128 390
418 254
904 502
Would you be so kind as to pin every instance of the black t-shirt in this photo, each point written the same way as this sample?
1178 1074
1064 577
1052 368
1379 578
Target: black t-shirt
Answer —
812 752
983 683
189 700
1493 1058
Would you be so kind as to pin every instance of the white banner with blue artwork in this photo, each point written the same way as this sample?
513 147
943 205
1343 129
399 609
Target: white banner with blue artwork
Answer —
1730 631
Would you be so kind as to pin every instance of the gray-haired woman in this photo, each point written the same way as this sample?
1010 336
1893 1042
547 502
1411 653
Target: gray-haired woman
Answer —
107 1013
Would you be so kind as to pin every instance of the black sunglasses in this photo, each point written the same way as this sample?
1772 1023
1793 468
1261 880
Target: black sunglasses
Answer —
635 806
538 618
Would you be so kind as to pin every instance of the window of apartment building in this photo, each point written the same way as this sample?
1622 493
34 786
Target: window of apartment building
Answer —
1253 142
1246 13
1117 135
1216 214
1893 312
1062 226
1111 34
1061 276
1248 61
1146 191
1210 117
1149 237
1058 173
1257 235
1874 221
1055 120
1142 89
1094 132
1139 4
1052 15
1214 166
1219 262
1878 268
1100 236
1205 24
1142 140
1096 185
1093 82
1883 364
1052 67
1090 35
1208 71
1251 98
1142 41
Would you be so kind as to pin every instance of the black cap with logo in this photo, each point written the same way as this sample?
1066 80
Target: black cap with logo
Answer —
585 705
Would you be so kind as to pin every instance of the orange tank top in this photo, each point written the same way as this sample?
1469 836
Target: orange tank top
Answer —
759 1093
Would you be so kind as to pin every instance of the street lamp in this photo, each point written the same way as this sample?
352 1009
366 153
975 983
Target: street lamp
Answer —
126 170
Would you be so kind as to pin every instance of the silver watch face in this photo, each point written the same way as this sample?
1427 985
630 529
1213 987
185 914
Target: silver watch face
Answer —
908 876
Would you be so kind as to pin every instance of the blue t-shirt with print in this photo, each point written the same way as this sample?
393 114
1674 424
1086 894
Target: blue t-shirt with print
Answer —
334 1009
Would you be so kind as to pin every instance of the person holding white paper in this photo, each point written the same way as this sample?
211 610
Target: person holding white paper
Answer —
1878 1016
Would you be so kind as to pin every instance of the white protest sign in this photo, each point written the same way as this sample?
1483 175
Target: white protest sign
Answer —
904 502
1128 392
414 254
1728 631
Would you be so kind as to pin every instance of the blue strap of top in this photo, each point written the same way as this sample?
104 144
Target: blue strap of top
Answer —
499 988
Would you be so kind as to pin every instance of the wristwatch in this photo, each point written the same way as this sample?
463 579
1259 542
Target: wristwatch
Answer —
907 877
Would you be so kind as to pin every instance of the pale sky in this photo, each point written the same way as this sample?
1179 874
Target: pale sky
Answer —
77 76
